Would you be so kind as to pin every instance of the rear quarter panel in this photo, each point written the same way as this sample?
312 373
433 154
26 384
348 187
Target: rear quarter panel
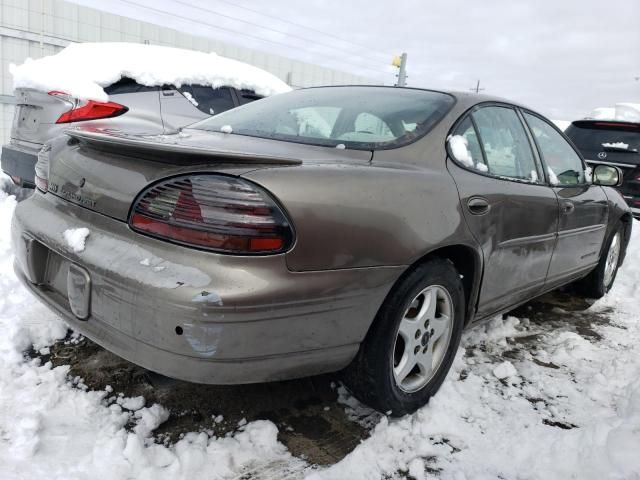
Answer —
392 211
143 116
353 216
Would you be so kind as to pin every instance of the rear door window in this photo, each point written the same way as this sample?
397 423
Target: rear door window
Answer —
247 96
127 85
207 99
505 144
466 146
564 165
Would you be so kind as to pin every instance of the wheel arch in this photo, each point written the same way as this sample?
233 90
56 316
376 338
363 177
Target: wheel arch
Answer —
466 260
627 221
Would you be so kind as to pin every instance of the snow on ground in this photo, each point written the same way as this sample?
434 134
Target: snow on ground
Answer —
525 399
83 69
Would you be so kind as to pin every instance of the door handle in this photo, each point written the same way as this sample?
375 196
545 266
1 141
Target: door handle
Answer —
568 207
478 205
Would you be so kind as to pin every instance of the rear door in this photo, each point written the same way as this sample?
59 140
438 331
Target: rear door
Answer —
510 210
583 207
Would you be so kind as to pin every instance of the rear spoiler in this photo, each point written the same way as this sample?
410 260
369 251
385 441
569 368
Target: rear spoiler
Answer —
165 149
607 124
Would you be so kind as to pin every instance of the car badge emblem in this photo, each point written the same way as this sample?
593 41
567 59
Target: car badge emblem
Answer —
81 184
602 155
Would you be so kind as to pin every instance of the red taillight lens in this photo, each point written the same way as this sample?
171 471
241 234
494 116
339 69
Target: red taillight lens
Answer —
42 168
92 110
42 184
215 212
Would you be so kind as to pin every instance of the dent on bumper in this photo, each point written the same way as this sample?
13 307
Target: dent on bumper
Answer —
241 319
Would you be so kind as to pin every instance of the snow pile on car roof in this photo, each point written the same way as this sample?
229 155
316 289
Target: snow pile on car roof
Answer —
83 69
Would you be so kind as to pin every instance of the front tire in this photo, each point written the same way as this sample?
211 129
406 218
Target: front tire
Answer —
600 280
411 345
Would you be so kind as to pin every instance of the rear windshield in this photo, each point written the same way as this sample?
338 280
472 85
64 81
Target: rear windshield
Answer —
598 139
365 118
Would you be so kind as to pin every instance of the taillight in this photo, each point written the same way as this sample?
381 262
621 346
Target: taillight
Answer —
216 212
87 110
42 168
42 184
92 111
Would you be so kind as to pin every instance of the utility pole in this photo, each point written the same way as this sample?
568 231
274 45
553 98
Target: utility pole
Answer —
477 88
401 64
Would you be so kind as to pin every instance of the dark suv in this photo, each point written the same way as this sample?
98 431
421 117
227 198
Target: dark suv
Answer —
616 143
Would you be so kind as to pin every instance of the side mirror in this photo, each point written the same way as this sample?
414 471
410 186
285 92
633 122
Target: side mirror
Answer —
607 176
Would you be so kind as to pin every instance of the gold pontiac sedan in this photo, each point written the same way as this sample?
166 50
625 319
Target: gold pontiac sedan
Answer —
355 228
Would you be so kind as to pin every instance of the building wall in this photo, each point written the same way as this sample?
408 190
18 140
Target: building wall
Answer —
37 28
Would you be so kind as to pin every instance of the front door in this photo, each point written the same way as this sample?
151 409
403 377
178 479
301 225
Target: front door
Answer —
583 207
509 208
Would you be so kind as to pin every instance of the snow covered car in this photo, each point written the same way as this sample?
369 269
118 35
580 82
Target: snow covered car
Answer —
612 142
358 227
133 87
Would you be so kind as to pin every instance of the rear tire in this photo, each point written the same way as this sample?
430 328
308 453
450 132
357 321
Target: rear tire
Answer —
600 280
411 345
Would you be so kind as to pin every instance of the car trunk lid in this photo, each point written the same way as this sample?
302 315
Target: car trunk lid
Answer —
36 112
106 170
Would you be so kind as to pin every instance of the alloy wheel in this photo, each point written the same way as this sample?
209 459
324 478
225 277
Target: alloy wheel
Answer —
611 263
423 338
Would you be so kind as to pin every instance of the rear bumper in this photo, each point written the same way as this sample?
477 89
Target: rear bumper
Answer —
20 162
241 319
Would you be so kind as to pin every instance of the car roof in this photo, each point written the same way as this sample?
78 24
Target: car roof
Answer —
466 99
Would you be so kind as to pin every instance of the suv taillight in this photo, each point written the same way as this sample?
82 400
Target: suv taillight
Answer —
216 212
87 110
